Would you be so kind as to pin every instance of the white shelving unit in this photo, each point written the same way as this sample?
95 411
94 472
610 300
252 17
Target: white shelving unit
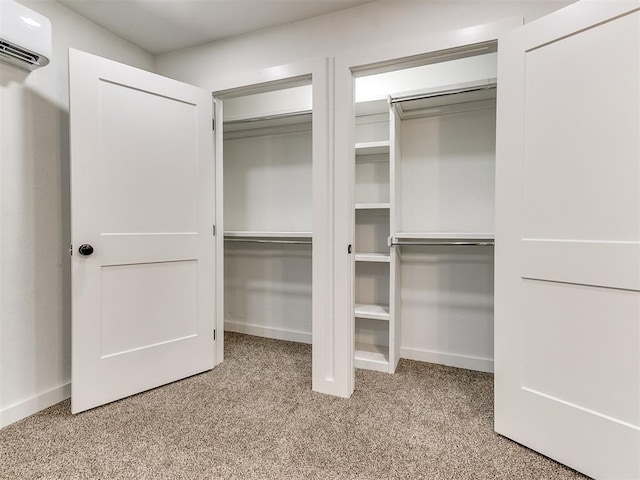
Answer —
372 311
424 186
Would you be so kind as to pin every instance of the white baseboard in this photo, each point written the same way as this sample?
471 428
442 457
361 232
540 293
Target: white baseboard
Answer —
33 405
449 359
268 332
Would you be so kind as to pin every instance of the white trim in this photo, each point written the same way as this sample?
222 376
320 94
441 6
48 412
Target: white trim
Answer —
34 404
218 114
268 332
326 379
449 359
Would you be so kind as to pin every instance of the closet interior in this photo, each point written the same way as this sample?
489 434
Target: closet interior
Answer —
423 214
267 178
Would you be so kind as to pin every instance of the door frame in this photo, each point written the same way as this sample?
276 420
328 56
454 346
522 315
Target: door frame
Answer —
421 50
318 71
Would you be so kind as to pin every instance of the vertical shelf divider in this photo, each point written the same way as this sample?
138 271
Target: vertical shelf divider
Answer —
395 219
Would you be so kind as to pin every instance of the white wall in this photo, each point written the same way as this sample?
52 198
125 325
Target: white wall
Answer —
377 22
267 182
35 297
268 290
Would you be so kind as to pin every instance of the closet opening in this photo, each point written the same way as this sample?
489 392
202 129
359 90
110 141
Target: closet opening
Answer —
267 174
423 203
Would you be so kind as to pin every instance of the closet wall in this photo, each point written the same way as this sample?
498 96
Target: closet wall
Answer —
268 214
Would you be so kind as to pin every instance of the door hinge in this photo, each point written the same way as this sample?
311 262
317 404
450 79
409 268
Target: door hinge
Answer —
214 334
214 230
71 249
213 124
349 249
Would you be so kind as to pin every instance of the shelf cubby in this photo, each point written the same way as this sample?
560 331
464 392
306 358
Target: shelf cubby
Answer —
371 357
373 257
372 311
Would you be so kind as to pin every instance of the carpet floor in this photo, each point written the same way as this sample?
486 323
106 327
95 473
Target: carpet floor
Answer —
255 416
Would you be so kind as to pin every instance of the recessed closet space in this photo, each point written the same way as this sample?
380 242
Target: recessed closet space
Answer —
267 147
424 203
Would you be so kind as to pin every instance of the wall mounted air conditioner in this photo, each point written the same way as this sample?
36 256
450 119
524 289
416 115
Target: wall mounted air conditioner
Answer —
25 36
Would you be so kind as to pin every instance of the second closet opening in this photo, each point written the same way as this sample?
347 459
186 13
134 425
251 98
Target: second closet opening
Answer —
267 148
423 212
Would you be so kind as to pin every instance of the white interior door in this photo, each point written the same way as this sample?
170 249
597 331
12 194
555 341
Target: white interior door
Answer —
567 316
142 186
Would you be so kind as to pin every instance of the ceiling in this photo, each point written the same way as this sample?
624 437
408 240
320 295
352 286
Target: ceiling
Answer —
159 26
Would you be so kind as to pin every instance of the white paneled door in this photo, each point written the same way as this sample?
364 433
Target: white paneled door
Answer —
142 208
567 313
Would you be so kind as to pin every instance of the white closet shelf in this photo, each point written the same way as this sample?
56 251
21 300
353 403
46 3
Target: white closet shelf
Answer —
373 257
445 236
374 312
273 119
371 357
373 206
372 148
256 234
479 94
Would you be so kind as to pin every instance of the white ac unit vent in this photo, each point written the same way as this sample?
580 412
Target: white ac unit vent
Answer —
25 36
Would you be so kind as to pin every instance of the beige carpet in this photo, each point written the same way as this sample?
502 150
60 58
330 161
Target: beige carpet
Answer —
255 416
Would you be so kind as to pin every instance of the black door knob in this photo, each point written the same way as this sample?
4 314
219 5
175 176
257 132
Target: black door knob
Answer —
85 250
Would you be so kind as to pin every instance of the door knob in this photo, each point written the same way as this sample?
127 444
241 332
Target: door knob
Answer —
85 250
